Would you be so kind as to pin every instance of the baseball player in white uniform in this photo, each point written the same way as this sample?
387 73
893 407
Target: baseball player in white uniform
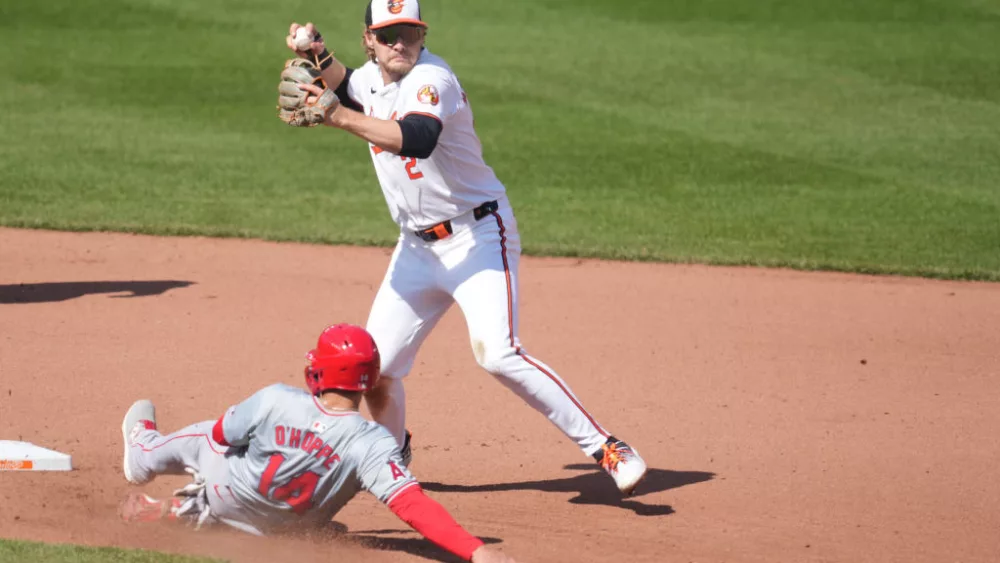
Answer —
458 239
286 459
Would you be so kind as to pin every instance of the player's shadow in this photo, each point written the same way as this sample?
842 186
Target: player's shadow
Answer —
593 487
395 540
63 291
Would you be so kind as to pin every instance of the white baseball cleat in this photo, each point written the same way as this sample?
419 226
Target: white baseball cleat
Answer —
140 416
623 463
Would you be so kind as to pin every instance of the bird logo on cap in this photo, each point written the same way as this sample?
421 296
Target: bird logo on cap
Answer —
395 7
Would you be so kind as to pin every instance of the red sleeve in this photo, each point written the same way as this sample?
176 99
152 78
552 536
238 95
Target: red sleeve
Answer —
217 434
426 516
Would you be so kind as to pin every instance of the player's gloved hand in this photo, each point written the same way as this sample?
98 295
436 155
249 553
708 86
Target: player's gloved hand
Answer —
486 554
194 488
296 107
194 500
318 46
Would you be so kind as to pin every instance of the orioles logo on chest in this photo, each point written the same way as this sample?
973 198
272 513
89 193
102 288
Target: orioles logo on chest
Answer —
395 7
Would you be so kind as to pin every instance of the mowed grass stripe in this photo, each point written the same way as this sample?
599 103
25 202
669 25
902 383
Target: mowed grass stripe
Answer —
860 136
15 550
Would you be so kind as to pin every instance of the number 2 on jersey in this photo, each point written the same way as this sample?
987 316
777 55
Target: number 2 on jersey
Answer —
297 492
411 169
411 164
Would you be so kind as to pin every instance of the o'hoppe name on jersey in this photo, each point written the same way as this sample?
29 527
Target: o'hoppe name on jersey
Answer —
306 441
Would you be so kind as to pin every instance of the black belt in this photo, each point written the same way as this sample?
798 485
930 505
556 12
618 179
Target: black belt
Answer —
444 229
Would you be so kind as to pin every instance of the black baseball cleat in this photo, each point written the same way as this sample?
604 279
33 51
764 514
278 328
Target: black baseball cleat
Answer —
405 452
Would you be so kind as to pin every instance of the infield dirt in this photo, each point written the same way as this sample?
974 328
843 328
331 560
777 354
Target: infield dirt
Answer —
787 416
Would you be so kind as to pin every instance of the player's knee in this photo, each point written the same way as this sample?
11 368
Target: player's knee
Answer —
493 358
395 356
396 365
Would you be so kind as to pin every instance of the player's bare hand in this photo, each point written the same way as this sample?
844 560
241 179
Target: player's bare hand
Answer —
325 99
316 92
316 46
486 554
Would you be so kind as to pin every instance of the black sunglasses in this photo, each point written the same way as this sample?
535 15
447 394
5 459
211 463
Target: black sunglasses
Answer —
389 35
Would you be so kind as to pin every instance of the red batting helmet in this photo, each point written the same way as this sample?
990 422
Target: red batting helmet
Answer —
345 358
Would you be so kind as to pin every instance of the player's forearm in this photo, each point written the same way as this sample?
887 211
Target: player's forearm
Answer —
334 74
433 522
383 133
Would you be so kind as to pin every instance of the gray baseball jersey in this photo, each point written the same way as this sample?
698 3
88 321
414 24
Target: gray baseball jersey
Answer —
295 462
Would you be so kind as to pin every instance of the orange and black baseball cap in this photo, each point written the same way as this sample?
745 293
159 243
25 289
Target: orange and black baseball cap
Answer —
383 13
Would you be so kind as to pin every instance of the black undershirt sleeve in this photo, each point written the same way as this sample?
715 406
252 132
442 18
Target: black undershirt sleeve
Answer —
345 98
420 135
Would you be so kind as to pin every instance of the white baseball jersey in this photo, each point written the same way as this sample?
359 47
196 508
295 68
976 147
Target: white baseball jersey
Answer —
293 457
454 179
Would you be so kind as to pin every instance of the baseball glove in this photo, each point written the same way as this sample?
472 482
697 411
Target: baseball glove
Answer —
294 105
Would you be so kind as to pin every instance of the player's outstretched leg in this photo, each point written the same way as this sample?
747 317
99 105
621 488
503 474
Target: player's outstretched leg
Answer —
487 295
543 389
140 418
149 453
190 450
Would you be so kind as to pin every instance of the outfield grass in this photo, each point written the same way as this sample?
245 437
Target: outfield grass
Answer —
23 552
859 135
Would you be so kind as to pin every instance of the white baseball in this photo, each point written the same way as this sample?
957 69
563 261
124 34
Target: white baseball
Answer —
303 40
